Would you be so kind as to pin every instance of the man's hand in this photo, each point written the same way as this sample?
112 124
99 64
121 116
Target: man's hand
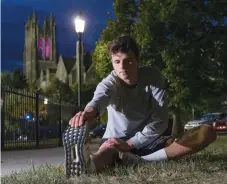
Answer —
117 144
81 117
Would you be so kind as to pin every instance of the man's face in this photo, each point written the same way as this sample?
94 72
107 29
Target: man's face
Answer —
126 66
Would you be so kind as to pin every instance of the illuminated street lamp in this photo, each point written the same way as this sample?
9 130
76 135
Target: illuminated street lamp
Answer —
45 105
45 101
79 23
79 26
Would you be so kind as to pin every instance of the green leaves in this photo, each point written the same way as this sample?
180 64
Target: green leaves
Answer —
125 13
59 89
16 79
187 42
102 60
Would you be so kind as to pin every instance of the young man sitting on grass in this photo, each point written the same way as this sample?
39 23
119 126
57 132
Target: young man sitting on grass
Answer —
135 99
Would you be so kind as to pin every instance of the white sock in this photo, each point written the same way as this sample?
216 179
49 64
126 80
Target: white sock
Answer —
156 156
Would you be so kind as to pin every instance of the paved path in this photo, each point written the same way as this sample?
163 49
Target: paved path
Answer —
12 161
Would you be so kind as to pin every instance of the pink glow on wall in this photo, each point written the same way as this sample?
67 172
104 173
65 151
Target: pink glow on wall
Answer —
47 48
40 47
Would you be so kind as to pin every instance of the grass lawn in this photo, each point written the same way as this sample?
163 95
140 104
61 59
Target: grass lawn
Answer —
208 166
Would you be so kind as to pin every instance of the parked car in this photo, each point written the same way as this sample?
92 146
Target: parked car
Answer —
205 119
98 131
221 124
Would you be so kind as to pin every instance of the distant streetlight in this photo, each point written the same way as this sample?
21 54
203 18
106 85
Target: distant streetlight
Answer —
45 101
45 105
79 26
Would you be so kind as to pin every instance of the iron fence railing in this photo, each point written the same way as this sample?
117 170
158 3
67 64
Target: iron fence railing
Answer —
30 120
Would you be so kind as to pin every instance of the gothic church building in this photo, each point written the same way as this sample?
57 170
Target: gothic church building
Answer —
40 56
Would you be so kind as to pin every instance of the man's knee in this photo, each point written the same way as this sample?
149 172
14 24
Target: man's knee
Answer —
198 138
208 133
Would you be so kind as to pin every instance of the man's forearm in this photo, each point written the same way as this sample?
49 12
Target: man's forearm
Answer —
93 110
150 132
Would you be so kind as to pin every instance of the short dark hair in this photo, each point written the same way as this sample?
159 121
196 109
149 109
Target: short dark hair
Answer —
123 44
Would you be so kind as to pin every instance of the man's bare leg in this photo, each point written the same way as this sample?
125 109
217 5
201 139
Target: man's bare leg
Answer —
110 156
192 141
104 157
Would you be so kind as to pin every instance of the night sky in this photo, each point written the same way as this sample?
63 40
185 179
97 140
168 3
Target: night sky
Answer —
14 14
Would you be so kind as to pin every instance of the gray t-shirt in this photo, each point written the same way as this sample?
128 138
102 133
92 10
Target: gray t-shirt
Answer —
139 113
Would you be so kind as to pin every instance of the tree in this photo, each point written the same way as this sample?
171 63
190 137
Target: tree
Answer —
18 79
102 59
186 40
58 89
87 92
6 79
125 13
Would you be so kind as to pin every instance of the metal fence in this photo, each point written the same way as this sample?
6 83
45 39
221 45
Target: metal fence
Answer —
30 120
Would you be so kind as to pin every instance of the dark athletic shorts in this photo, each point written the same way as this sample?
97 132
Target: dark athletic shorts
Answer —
156 145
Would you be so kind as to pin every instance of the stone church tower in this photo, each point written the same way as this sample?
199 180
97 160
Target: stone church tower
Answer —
40 52
40 57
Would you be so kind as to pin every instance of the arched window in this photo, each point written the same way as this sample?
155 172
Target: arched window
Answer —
47 46
40 47
41 44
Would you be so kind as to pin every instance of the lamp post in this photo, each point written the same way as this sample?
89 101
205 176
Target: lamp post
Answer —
79 26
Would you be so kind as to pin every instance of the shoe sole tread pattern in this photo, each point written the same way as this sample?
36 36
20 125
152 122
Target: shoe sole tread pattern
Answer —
74 140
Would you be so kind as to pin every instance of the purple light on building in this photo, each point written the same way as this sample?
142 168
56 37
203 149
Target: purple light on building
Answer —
47 48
